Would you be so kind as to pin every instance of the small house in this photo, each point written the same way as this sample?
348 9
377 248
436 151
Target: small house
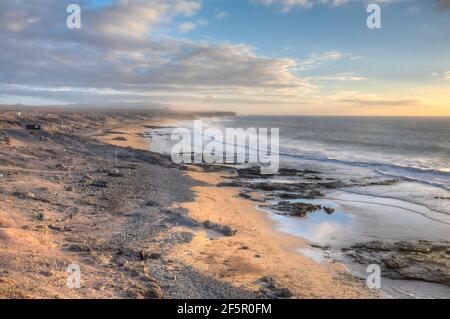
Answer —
34 127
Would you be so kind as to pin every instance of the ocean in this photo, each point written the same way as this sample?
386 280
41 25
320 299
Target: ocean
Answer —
413 151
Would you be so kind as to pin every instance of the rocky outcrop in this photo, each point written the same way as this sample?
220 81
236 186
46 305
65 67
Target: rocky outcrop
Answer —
419 260
298 209
222 229
270 288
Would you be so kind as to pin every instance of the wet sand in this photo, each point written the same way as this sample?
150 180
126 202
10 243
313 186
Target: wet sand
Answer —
257 249
320 235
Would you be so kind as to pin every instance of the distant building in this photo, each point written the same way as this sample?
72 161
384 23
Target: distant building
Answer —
34 127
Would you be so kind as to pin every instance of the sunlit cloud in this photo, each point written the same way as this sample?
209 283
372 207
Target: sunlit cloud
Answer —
141 52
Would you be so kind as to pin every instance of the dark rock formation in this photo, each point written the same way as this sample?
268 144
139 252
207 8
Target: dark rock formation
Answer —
298 209
419 260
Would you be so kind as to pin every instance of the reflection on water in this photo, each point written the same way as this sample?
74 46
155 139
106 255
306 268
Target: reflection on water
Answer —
318 227
360 218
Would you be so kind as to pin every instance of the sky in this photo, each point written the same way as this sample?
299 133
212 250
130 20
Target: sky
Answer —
306 57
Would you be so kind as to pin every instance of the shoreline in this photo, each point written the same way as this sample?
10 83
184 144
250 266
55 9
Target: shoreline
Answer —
258 249
140 226
242 260
244 185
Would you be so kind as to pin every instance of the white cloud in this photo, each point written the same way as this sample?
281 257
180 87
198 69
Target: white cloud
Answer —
317 59
120 54
345 77
16 20
186 27
221 14
287 5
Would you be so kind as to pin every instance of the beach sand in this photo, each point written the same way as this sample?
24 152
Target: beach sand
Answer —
257 250
140 233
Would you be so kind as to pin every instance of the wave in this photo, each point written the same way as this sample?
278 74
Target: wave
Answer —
392 170
430 176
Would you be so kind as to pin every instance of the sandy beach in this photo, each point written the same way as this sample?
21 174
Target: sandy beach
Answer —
137 230
90 193
258 250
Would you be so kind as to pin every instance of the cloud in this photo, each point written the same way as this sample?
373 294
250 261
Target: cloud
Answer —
345 77
316 59
447 75
122 54
383 102
186 27
287 5
221 14
16 20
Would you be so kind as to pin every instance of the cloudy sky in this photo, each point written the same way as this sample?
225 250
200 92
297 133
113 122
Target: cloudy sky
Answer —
250 56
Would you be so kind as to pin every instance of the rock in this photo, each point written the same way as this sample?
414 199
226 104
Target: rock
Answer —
282 187
394 262
376 245
25 195
298 209
290 195
52 227
99 184
333 184
42 228
267 279
245 195
271 289
155 256
283 293
46 273
232 184
289 172
224 230
142 255
311 194
79 248
418 260
61 167
136 293
116 174
314 194
323 247
39 216
423 247
251 172
154 291
152 203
